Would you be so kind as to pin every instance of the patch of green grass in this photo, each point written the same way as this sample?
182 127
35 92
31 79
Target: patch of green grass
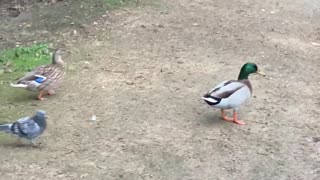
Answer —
117 3
113 3
25 58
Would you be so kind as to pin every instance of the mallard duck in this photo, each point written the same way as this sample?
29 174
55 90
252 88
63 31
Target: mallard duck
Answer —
233 93
45 78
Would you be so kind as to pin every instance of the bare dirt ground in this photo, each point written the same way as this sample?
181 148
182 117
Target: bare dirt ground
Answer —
143 70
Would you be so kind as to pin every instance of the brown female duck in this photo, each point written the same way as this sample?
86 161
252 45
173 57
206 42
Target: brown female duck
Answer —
44 79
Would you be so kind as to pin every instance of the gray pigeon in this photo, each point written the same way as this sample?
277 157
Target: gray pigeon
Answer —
27 128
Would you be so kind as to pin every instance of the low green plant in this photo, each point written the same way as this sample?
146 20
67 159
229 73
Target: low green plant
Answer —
117 3
25 58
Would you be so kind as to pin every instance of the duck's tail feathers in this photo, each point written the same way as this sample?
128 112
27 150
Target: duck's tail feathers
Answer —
19 85
5 128
211 100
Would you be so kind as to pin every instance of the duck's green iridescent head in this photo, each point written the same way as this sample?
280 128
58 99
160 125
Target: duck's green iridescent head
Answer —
248 69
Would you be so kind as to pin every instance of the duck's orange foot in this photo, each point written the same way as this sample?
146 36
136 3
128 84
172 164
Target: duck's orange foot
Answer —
239 122
236 120
50 93
226 118
40 96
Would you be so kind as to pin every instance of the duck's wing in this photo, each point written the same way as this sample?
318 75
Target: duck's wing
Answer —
223 91
226 89
32 74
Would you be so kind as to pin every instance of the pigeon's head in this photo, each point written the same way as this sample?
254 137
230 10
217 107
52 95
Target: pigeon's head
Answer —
40 114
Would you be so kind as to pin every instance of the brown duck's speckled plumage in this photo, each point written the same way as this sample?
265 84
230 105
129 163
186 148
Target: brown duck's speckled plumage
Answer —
53 72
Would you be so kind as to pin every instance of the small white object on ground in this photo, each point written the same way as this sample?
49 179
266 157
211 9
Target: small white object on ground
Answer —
93 118
315 44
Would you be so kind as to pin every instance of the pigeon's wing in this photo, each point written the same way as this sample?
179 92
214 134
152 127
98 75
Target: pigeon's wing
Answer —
15 128
28 127
23 120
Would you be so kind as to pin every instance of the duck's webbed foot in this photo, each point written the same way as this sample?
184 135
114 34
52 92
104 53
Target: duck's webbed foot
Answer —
50 92
40 96
225 117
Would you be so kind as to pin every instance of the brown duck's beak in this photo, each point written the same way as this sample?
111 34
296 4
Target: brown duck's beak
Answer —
261 73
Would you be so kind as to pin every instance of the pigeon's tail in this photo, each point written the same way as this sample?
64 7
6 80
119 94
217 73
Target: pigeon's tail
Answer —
5 127
19 85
